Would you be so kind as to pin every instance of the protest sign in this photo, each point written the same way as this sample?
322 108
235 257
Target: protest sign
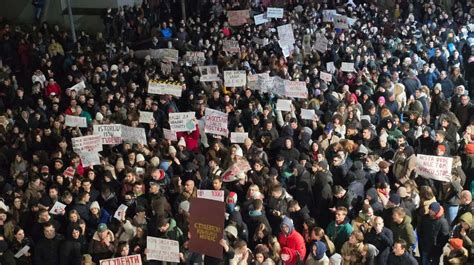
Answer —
260 41
110 133
69 172
434 167
238 17
257 81
89 143
22 251
146 117
264 82
283 105
75 121
285 35
330 67
341 22
216 195
170 55
182 121
170 135
209 73
206 229
239 167
274 12
133 134
165 87
89 159
79 87
162 249
296 89
57 208
307 44
276 85
128 260
308 114
235 78
120 212
321 44
238 137
328 15
192 58
215 122
260 19
325 76
231 46
347 67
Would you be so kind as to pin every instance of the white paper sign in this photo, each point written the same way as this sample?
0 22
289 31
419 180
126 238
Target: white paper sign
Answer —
341 22
169 135
325 76
146 117
121 211
347 67
128 260
215 195
257 81
195 58
260 19
165 88
285 35
162 249
57 208
85 144
182 121
235 78
110 133
308 114
328 15
434 167
283 105
75 121
330 67
89 159
215 122
274 12
231 46
170 55
321 44
22 251
134 134
79 87
209 73
296 89
238 137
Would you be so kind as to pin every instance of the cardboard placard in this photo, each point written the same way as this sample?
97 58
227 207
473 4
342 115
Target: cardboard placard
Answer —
110 133
325 76
146 117
260 19
296 89
162 249
308 114
238 17
341 22
75 121
235 78
170 135
231 46
85 144
347 67
283 105
192 58
285 35
215 195
215 122
128 260
182 121
209 73
274 12
134 135
434 167
165 87
238 137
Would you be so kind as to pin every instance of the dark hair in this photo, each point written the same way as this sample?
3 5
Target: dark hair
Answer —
402 243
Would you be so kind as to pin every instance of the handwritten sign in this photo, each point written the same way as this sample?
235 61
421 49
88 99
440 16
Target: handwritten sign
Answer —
235 78
182 121
283 105
216 195
231 46
341 22
162 249
328 15
260 19
79 87
110 133
170 135
296 89
434 167
89 143
330 67
238 17
209 73
146 117
69 172
347 67
133 134
285 35
325 76
238 137
321 44
89 159
57 208
165 87
120 212
215 122
308 114
241 166
195 58
75 121
128 260
274 12
170 55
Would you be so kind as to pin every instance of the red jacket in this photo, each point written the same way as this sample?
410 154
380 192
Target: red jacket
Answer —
52 88
295 243
191 139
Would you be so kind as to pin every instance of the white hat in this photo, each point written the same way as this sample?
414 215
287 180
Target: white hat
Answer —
95 204
172 150
140 158
114 67
99 116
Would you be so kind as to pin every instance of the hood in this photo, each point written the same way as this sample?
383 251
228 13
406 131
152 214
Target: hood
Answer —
439 214
406 220
288 222
372 192
172 223
467 217
320 250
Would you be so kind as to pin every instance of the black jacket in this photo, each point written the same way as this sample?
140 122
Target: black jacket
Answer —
405 259
383 242
47 251
70 253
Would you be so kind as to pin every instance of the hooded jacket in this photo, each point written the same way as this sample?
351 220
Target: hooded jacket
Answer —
100 251
404 231
318 257
293 240
469 237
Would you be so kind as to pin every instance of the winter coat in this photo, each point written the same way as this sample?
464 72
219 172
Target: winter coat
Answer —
404 231
433 233
70 253
405 259
47 251
456 257
311 260
468 238
293 240
339 234
383 242
100 251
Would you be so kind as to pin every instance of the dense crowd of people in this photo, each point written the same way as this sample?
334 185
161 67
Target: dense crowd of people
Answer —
341 188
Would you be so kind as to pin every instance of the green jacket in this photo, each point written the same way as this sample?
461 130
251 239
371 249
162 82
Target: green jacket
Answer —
339 234
404 231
